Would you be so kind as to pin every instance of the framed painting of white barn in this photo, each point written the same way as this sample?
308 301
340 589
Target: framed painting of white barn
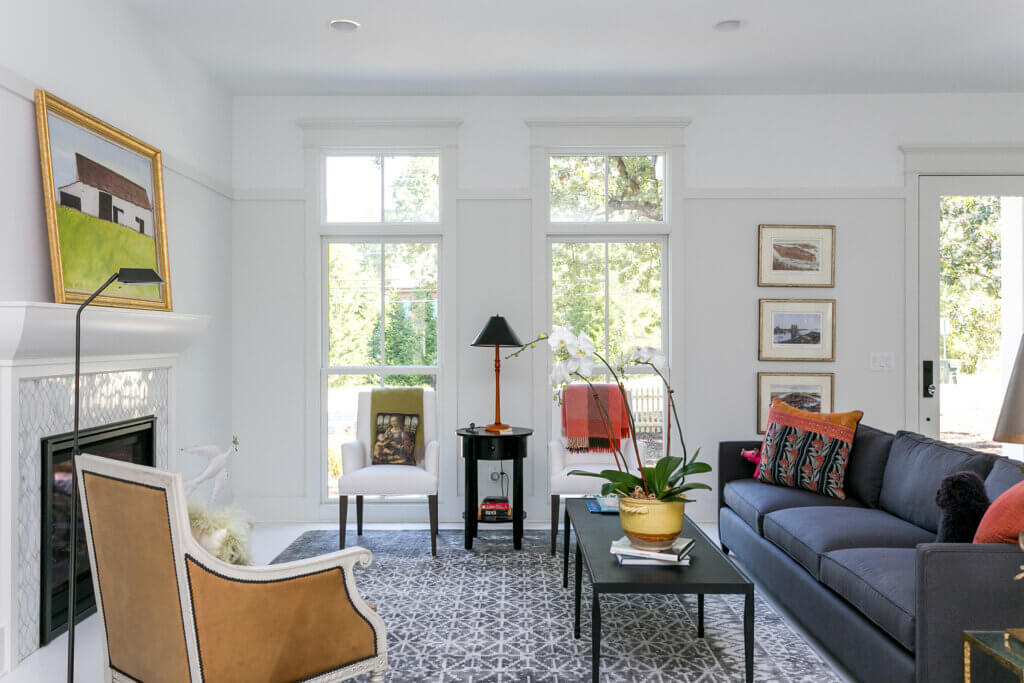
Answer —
104 207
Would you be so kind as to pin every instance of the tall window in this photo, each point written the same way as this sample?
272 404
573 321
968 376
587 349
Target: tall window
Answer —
613 290
607 188
381 328
382 188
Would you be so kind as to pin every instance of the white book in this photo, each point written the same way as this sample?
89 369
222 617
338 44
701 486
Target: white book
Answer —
680 547
627 561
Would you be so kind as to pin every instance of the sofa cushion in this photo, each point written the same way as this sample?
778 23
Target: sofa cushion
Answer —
867 464
752 500
805 534
880 582
916 467
1003 476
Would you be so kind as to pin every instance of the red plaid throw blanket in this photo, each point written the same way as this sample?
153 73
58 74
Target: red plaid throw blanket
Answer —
583 423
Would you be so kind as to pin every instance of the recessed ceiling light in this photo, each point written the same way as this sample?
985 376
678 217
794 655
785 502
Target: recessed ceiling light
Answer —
345 25
729 25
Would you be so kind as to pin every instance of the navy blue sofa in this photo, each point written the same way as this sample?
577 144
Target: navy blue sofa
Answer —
864 575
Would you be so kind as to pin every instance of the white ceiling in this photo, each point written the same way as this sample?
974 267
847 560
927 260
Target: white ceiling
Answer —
600 46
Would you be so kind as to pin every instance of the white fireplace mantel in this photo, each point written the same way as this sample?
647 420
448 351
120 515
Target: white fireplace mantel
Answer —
34 333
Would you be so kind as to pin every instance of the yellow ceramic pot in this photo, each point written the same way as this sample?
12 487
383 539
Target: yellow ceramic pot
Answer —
651 524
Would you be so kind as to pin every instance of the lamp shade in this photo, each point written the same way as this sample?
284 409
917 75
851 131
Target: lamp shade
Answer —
139 276
497 333
1010 428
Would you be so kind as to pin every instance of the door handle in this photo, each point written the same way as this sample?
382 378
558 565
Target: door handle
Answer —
928 374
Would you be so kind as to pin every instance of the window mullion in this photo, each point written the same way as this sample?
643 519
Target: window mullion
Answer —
607 305
382 201
606 188
383 304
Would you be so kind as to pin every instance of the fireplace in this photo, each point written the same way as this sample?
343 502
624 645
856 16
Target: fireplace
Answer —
129 441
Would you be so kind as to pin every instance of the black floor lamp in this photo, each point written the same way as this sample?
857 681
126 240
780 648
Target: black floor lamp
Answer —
126 276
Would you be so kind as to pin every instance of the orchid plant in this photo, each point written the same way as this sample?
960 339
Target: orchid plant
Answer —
574 358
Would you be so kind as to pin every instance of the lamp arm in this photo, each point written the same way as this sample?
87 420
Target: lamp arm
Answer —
73 548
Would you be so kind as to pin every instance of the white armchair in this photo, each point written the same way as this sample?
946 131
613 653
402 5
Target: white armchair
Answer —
561 461
361 478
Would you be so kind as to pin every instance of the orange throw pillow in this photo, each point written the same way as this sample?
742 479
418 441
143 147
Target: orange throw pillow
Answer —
1004 519
807 450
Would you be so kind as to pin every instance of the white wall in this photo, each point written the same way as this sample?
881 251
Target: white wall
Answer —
749 160
102 59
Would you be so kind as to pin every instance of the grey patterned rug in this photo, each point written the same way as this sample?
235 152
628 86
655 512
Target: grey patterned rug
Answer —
497 615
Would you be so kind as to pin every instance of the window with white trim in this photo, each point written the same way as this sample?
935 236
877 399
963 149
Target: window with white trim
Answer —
594 188
381 300
614 291
381 188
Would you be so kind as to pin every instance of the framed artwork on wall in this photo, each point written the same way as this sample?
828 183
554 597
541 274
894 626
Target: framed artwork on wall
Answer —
104 199
810 391
796 255
797 329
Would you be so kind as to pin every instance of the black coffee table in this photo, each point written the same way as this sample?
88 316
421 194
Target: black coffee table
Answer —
709 572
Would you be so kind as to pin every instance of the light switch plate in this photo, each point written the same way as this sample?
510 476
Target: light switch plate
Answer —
883 361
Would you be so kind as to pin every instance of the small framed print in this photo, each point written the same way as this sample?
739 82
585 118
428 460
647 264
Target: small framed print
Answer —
810 391
796 255
797 329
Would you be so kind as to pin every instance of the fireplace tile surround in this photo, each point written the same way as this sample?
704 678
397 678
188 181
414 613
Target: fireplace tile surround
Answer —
129 366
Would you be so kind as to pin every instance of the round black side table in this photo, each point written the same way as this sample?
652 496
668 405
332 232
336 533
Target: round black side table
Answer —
478 444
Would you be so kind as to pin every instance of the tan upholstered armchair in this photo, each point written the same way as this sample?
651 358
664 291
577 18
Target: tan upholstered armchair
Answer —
172 612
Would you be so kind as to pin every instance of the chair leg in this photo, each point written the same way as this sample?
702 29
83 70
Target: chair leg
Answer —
432 504
342 520
359 515
555 500
377 677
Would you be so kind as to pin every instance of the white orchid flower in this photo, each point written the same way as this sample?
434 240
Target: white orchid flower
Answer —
649 354
560 375
584 365
584 346
562 339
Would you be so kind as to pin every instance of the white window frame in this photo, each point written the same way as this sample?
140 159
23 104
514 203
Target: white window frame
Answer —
380 153
608 137
360 137
611 152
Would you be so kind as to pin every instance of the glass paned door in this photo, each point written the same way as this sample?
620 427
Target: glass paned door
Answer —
971 304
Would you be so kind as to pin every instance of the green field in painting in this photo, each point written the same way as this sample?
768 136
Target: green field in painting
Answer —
92 249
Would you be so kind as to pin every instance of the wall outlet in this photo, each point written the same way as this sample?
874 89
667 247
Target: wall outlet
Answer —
883 361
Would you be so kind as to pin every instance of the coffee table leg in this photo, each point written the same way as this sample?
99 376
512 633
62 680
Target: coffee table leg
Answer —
700 615
595 637
565 558
748 636
579 588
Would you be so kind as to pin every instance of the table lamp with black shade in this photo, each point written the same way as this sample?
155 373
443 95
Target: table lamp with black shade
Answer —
497 333
126 276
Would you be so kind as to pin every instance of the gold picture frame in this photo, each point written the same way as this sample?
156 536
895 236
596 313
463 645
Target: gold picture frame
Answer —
794 382
811 326
796 256
104 196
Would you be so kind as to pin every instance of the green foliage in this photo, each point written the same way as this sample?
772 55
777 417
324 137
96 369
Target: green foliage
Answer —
413 196
971 280
633 269
614 188
666 480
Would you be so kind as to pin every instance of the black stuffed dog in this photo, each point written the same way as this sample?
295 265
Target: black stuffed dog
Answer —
962 503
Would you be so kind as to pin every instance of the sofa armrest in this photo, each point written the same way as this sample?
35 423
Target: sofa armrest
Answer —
253 623
732 465
431 458
353 457
962 586
556 457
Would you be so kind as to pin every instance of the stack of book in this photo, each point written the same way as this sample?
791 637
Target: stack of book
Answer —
676 556
495 509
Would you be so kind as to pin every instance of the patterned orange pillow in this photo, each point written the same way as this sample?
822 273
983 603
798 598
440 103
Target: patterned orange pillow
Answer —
808 450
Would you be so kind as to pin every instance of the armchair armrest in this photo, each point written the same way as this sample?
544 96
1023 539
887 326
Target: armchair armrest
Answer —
431 456
962 586
732 465
353 457
556 457
291 621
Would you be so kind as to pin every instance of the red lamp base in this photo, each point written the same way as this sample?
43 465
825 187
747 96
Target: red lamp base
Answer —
497 427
